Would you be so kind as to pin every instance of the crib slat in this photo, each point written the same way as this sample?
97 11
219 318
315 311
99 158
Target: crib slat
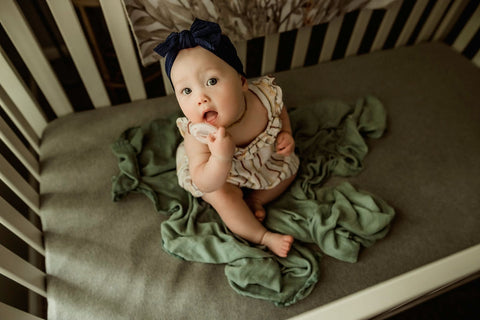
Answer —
358 32
301 47
20 226
19 121
18 148
71 30
13 92
450 18
388 295
21 188
432 21
15 24
17 269
411 22
117 24
330 39
9 312
386 26
270 50
468 31
476 59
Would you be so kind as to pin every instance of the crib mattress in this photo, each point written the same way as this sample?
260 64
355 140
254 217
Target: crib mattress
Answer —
104 260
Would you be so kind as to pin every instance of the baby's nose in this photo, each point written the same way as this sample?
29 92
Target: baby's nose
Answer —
202 99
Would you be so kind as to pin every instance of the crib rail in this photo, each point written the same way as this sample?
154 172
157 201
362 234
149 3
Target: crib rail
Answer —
30 99
422 20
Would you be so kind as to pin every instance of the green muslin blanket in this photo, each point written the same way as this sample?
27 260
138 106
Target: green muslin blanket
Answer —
339 220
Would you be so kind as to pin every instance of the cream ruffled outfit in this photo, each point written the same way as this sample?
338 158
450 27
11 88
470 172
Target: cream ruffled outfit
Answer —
256 166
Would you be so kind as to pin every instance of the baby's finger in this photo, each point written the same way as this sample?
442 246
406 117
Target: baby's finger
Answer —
211 137
285 150
282 142
221 132
280 146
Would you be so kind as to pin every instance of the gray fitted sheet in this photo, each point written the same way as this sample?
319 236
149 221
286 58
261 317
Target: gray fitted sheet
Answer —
105 260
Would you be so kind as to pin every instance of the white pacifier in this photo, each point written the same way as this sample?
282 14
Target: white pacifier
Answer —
201 131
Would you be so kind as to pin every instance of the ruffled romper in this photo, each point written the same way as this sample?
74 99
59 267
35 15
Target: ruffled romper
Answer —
256 166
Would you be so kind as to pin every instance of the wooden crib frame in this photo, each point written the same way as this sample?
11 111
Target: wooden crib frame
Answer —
25 120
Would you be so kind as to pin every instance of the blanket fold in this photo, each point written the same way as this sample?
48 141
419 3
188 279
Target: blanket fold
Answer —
340 220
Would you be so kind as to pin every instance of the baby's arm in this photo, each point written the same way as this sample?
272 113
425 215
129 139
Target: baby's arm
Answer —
210 164
285 141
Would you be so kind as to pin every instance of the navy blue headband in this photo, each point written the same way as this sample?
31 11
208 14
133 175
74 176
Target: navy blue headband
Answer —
202 33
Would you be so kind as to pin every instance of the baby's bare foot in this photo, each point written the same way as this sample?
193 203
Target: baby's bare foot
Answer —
280 244
257 209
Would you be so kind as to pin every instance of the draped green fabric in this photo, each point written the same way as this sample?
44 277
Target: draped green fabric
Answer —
330 140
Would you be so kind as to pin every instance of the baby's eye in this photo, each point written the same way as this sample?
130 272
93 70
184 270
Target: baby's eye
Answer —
211 82
187 91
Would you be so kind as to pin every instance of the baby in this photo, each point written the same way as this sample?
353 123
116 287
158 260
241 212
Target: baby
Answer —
247 144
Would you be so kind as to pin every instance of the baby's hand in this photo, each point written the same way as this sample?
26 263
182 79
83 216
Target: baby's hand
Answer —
285 143
221 145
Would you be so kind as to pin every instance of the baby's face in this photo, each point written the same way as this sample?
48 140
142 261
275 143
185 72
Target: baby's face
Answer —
207 88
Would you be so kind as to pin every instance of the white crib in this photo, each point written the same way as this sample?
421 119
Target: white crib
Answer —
30 104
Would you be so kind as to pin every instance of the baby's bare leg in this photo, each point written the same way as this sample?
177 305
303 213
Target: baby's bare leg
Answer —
228 202
258 198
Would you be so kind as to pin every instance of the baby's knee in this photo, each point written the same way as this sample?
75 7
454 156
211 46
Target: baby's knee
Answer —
227 192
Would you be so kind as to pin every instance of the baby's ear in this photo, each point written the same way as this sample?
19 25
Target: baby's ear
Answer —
244 82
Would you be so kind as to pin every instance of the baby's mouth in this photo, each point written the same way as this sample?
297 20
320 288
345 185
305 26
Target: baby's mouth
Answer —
210 116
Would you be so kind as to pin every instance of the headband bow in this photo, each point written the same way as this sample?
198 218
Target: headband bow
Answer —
202 33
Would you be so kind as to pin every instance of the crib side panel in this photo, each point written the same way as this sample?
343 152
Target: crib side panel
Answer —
403 22
22 252
30 99
22 271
